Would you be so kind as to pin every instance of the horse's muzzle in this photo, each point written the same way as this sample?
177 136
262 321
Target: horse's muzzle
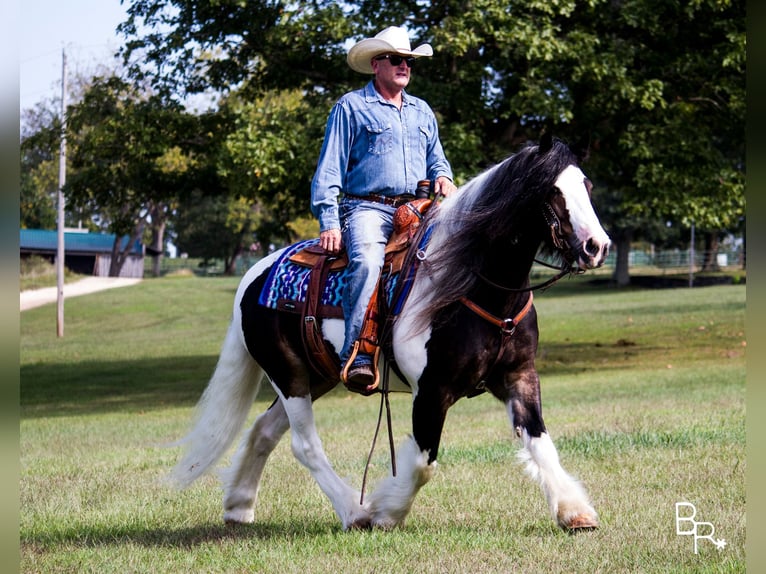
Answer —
593 253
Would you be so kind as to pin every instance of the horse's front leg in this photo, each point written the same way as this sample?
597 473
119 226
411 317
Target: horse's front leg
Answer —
567 500
392 500
307 448
242 479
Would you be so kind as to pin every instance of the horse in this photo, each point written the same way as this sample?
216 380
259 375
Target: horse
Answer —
467 326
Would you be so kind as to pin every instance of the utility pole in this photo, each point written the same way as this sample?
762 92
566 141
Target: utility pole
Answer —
60 253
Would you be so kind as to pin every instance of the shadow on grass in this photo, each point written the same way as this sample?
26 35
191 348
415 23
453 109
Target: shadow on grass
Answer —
93 387
90 536
100 387
287 531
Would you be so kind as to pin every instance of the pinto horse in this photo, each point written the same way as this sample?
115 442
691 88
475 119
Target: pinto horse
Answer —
467 326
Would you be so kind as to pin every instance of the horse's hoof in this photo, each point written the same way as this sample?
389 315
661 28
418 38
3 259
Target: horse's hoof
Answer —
582 522
361 524
239 516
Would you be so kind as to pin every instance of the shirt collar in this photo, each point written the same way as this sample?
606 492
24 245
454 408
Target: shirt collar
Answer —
372 95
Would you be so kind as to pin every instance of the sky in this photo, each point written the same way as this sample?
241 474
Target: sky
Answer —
84 29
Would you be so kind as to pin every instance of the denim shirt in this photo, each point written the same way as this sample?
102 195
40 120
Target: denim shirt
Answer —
370 146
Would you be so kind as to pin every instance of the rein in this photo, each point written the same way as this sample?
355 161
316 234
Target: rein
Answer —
384 392
412 261
554 224
568 270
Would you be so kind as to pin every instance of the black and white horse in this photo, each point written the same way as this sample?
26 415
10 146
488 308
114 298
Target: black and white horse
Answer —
467 326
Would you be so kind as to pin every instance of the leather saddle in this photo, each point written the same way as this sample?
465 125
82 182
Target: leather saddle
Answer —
322 358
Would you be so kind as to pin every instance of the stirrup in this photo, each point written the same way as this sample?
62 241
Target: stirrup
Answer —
365 390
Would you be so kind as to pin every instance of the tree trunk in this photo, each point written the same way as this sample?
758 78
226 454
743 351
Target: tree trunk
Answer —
621 241
231 263
119 256
710 260
158 246
115 264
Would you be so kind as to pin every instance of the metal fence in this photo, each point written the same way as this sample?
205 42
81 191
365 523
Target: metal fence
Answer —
647 262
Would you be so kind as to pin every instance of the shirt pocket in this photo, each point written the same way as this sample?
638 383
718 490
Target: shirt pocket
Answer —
380 139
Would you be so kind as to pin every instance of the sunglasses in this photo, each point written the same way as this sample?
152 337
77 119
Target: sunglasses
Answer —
397 60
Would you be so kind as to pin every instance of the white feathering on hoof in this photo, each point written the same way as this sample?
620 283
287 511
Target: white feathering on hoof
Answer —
565 495
392 500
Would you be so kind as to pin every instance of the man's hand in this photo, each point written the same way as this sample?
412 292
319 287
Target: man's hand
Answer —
444 186
330 240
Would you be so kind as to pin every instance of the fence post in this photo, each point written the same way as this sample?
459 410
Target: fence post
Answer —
691 258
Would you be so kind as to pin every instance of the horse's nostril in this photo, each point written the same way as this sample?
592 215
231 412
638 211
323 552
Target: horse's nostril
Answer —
592 247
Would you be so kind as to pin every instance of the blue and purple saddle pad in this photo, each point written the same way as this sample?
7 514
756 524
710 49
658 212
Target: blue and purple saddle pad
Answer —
288 282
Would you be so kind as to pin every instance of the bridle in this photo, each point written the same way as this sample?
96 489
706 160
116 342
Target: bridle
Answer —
560 242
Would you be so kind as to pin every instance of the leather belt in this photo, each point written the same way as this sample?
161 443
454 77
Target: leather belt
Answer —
395 201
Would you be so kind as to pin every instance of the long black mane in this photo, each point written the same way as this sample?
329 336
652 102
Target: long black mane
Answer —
500 209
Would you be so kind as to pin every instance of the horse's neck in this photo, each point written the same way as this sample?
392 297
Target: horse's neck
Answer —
509 267
501 279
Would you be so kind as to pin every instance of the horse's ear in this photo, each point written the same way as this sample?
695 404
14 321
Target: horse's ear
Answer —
546 142
581 149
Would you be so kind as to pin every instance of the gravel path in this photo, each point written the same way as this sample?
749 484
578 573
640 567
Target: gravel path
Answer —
38 297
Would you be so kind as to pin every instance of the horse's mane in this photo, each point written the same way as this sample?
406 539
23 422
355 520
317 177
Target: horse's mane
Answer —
499 207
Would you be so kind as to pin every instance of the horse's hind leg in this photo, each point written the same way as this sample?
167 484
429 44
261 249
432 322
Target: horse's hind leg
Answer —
242 479
567 500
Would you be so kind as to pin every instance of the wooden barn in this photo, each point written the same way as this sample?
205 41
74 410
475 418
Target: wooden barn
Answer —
84 253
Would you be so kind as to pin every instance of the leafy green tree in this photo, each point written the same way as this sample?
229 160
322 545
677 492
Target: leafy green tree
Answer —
269 156
667 120
656 88
215 227
132 156
189 46
39 170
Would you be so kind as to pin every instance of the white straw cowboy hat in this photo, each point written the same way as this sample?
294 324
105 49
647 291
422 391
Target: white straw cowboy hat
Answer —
392 40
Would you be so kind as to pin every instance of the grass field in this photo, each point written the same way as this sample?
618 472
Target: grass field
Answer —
643 394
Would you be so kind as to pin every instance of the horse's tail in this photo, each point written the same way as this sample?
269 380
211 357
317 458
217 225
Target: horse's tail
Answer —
222 409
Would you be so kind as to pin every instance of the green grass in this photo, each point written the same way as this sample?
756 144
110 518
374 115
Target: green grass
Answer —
37 272
643 393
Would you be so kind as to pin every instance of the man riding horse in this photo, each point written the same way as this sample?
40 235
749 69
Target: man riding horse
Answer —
379 142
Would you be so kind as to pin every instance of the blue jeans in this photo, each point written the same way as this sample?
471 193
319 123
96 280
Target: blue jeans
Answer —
365 227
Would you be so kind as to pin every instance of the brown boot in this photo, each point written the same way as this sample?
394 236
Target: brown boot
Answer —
359 374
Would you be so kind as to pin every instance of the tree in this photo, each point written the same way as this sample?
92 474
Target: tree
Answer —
189 46
667 116
215 227
269 157
132 155
40 137
657 88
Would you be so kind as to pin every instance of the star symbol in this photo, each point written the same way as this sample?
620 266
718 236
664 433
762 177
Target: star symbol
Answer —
720 543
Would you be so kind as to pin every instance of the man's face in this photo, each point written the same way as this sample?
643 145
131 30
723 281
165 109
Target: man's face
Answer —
393 77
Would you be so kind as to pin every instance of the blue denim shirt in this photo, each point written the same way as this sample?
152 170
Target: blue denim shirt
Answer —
370 146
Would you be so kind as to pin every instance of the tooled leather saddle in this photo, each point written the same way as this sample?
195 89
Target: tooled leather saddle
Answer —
323 266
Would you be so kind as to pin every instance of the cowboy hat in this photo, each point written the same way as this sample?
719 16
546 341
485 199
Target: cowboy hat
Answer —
392 40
